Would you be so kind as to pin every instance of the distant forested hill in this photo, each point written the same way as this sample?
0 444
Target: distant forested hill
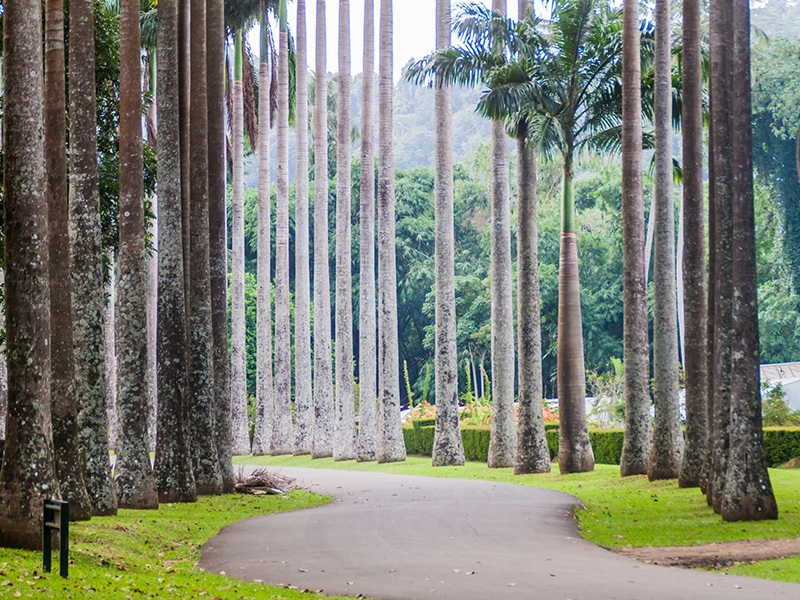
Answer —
777 18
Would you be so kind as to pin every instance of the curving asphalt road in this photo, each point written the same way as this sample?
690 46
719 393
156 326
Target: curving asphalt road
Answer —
398 536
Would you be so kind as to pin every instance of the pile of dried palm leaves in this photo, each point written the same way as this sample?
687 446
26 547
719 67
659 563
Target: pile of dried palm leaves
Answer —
262 481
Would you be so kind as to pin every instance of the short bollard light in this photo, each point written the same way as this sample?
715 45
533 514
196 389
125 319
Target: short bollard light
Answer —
56 518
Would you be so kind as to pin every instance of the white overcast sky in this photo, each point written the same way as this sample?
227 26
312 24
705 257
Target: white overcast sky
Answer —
414 32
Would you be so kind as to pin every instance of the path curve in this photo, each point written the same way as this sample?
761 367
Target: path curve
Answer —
406 537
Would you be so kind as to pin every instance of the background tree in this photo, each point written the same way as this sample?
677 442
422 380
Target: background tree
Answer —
390 447
448 449
133 473
62 358
282 435
322 444
345 436
304 403
87 260
28 475
367 366
173 468
667 451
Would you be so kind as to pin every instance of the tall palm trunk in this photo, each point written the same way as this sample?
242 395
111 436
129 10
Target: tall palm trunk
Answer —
502 444
721 233
304 403
574 450
62 391
134 476
695 363
391 446
151 302
110 342
265 402
667 451
322 444
367 367
87 260
238 351
636 351
217 213
173 469
448 449
282 436
533 455
205 459
344 447
747 494
184 80
28 474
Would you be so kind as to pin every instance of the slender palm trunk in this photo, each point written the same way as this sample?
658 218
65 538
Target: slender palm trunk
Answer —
533 455
217 213
87 261
448 449
574 450
667 451
133 474
205 458
695 363
747 493
391 446
151 301
173 469
184 81
636 351
367 367
503 437
304 402
265 401
28 473
322 444
282 434
110 341
62 391
721 233
344 447
238 350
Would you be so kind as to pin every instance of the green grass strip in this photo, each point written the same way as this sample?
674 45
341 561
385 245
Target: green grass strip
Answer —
149 554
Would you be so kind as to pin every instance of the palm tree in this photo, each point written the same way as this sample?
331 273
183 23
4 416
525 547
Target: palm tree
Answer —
747 492
391 446
28 474
694 260
448 448
636 351
87 261
238 351
502 443
134 479
265 403
367 389
304 402
667 452
282 435
572 101
344 447
205 458
217 216
173 468
322 443
62 391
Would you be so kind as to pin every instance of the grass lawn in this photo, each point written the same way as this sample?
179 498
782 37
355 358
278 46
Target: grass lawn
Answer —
622 512
149 554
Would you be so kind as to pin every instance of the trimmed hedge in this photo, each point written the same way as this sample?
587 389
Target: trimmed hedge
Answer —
780 443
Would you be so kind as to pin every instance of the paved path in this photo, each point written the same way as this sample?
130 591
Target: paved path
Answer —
398 536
